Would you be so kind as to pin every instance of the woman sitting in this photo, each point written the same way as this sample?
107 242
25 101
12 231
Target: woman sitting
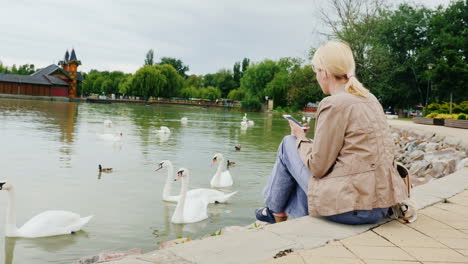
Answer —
347 173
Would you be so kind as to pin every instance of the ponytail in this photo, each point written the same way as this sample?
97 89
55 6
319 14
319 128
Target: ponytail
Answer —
353 86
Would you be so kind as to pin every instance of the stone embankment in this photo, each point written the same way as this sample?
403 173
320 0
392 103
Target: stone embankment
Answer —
428 156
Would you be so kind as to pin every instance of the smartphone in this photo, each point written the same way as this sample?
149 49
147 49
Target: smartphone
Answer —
289 117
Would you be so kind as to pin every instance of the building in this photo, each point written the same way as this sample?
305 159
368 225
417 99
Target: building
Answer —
49 81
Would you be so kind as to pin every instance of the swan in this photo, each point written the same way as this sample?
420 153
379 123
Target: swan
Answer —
108 122
222 177
244 125
188 210
48 223
244 118
111 137
308 119
184 120
163 130
250 123
213 196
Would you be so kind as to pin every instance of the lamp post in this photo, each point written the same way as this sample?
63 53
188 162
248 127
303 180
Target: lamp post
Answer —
429 67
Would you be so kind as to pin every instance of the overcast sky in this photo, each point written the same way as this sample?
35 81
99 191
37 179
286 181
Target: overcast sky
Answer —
115 35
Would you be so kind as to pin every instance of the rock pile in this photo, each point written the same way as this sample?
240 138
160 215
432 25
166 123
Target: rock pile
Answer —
428 156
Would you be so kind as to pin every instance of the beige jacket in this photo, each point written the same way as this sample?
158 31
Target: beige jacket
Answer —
351 159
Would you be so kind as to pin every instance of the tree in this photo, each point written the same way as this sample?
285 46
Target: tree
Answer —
449 51
256 78
194 80
147 81
173 84
224 80
304 87
149 60
237 74
177 64
236 94
245 65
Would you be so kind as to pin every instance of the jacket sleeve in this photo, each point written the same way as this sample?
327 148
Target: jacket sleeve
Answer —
329 138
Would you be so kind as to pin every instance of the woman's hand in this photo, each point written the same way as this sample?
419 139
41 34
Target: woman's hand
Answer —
297 130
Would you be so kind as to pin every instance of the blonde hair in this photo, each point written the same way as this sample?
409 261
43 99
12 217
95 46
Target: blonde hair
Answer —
336 58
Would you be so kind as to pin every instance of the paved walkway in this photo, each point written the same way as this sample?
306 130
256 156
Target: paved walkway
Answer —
440 235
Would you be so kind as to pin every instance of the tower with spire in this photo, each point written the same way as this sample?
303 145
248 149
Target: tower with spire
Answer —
70 65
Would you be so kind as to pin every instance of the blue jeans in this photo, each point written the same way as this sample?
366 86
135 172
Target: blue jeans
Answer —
286 190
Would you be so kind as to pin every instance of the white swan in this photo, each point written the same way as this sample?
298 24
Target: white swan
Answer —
184 120
250 123
303 119
212 196
108 122
244 118
222 177
188 210
48 223
244 125
111 137
163 130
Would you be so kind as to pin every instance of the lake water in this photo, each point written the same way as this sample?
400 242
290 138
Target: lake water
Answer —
51 151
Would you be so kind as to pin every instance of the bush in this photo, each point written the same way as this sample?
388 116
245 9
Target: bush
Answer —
457 109
431 115
251 105
461 117
236 94
446 116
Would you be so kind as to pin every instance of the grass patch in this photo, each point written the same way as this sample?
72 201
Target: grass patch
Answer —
405 119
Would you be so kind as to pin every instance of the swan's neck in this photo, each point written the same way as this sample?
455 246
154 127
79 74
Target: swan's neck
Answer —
11 213
221 166
168 185
179 211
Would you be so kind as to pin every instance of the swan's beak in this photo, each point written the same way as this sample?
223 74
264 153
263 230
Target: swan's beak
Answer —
160 166
179 175
1 185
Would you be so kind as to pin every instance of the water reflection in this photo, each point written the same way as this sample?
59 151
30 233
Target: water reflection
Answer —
48 244
53 117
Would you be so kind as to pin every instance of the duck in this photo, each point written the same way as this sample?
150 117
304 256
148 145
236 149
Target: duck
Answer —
222 177
213 196
237 147
230 163
184 120
47 223
188 210
101 169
